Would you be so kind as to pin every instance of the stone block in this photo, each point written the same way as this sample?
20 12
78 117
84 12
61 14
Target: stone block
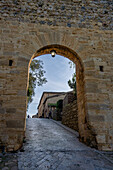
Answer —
95 106
2 110
70 113
15 124
22 93
89 64
10 110
96 118
92 87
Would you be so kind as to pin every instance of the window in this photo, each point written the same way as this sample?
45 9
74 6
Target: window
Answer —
10 62
101 68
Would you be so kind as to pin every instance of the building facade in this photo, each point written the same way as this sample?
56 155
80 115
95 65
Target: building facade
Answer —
48 103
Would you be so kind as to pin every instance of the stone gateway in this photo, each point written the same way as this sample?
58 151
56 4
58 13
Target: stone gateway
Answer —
77 29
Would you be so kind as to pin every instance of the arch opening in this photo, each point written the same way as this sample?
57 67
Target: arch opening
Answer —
85 131
15 120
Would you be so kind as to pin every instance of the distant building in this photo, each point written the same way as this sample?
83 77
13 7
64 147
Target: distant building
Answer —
48 103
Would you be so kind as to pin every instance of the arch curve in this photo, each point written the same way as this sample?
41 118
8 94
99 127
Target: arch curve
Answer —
85 130
60 50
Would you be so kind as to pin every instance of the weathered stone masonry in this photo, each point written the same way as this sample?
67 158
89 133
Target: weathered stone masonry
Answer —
70 111
79 30
71 13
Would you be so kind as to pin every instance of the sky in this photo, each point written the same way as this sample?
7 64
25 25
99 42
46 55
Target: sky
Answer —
58 72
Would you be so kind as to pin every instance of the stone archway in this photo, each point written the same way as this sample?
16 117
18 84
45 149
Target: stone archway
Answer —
93 57
85 131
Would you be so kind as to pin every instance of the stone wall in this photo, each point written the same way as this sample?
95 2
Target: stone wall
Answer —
70 97
70 115
71 13
56 115
79 30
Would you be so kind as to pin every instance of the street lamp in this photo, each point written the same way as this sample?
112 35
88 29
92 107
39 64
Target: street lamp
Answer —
53 53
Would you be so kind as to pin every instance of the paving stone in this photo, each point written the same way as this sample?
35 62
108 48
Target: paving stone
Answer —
5 168
8 161
50 146
59 149
14 168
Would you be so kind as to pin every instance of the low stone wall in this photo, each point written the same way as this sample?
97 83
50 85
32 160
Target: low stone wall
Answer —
56 115
70 115
69 98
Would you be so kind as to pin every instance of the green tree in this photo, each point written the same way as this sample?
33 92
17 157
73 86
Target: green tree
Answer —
59 105
36 77
72 82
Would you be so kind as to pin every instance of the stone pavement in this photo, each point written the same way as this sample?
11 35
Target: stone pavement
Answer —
8 161
52 146
49 146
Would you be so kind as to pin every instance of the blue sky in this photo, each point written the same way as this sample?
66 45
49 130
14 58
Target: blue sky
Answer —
58 72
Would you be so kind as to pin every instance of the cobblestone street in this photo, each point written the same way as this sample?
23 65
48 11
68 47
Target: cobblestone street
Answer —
52 146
